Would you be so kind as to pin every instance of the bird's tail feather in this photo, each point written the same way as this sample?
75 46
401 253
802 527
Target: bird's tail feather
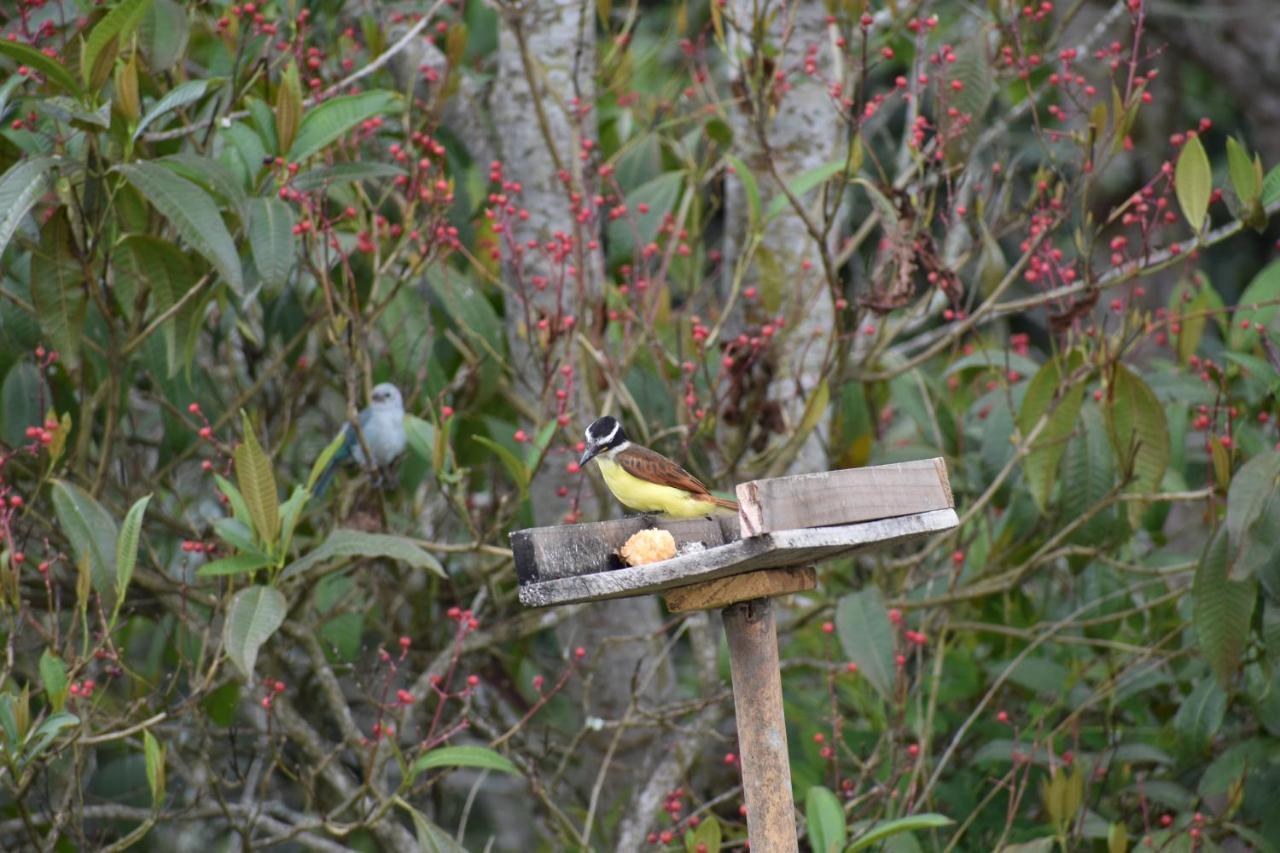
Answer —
725 504
326 477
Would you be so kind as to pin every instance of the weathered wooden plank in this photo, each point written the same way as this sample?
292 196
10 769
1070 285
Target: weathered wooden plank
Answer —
843 497
546 553
715 594
762 730
784 548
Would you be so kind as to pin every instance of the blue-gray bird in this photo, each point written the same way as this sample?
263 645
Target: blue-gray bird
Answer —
382 424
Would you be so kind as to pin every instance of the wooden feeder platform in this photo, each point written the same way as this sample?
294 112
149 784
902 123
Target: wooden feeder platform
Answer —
785 526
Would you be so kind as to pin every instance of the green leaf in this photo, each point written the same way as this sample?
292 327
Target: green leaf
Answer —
127 545
91 531
53 676
55 71
462 756
144 263
515 467
344 542
1139 433
1251 487
708 835
271 239
1200 714
237 534
1193 180
1193 314
58 289
154 754
628 235
290 512
239 508
20 188
1265 288
176 98
112 30
322 461
1088 474
163 34
802 184
191 212
1050 391
1244 178
421 437
44 735
1223 609
912 823
825 819
240 564
345 173
255 614
24 398
749 186
866 635
431 838
258 486
1271 186
323 124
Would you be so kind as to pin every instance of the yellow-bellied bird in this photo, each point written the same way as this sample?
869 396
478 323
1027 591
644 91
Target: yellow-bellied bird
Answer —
646 481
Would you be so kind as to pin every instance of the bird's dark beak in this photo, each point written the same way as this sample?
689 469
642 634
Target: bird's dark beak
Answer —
588 454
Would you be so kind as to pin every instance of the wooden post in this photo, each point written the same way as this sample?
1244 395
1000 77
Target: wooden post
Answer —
762 731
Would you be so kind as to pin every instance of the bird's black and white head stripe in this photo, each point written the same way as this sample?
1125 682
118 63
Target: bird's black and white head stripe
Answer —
605 433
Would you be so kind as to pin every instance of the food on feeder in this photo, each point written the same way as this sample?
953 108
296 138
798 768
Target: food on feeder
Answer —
648 546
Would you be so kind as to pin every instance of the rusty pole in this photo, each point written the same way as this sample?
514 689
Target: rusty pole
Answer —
762 731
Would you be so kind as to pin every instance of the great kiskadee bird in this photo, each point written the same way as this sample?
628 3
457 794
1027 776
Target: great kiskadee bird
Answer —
646 481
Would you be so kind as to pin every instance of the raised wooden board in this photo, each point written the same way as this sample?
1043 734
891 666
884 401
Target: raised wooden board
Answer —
784 548
843 497
767 583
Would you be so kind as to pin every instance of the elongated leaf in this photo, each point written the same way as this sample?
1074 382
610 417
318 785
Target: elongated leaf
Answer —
1138 430
431 838
191 212
1265 288
463 756
1251 487
356 543
1193 183
239 508
163 33
801 185
58 289
99 52
825 820
1049 392
180 96
154 754
288 112
1194 315
911 823
326 455
255 614
290 511
1244 179
325 123
866 635
749 186
237 534
20 188
707 837
239 564
91 531
647 205
344 173
258 486
24 397
1201 713
1271 186
53 70
53 676
127 545
45 733
142 263
1223 608
271 239
515 467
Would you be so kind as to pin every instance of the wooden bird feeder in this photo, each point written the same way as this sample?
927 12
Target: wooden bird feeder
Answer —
785 526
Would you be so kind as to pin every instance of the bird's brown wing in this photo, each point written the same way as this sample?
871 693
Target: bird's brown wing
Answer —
648 465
